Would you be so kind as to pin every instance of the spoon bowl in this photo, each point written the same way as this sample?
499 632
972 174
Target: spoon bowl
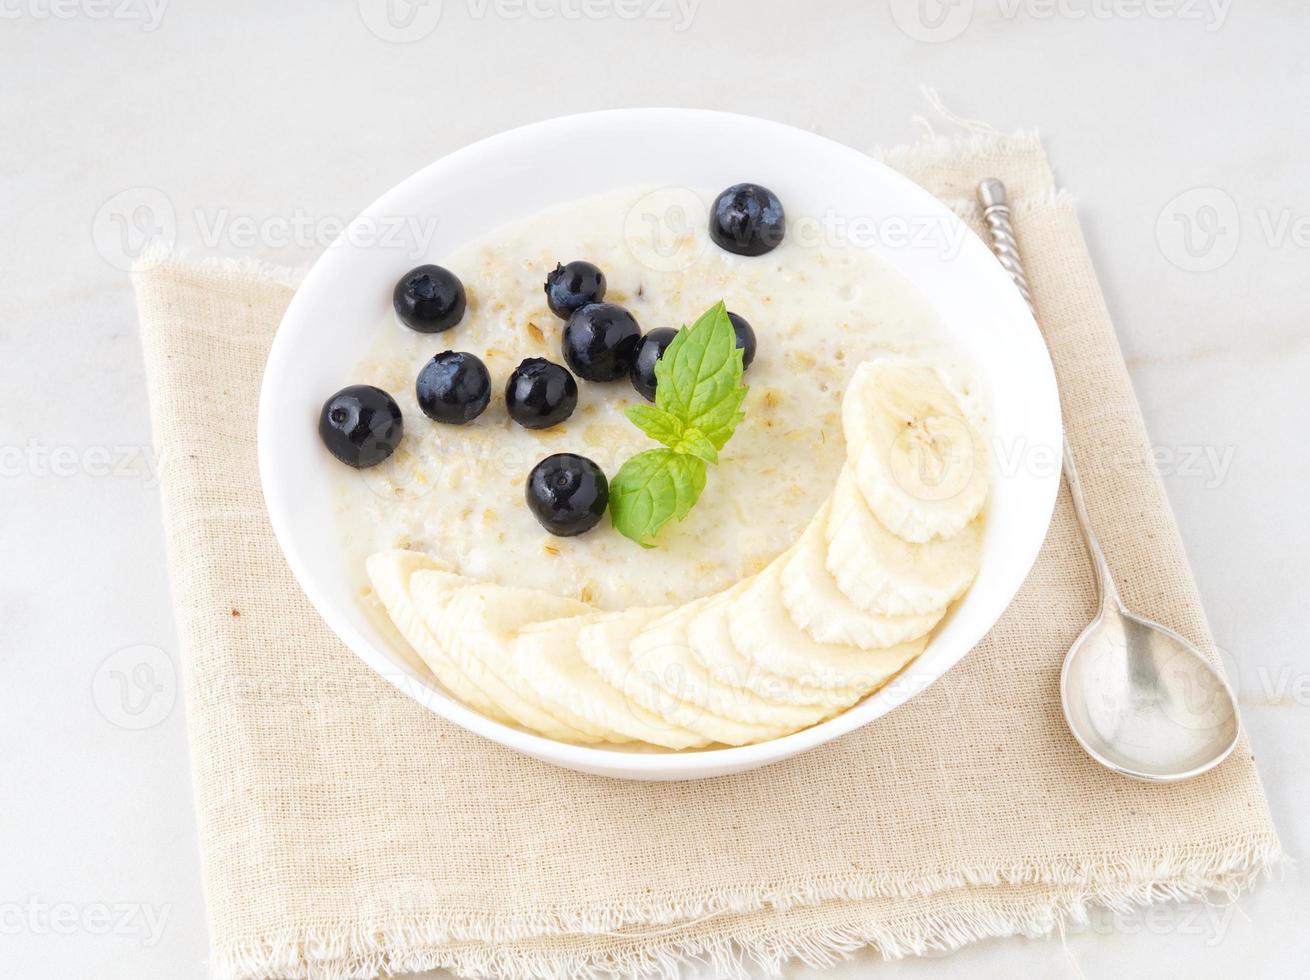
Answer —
1144 702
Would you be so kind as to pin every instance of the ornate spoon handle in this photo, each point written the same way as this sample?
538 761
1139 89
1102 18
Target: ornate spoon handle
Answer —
996 213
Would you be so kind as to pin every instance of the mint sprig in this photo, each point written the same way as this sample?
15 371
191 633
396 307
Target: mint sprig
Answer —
698 397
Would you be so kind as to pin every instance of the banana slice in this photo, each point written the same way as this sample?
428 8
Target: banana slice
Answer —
603 644
762 631
390 571
886 575
606 644
823 625
711 643
821 609
710 639
663 652
478 621
919 462
547 656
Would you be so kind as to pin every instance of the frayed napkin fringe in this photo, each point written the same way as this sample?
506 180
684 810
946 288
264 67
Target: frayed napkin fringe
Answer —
948 150
971 138
473 945
156 256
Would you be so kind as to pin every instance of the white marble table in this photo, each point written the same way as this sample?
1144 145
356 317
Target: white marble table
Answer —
259 128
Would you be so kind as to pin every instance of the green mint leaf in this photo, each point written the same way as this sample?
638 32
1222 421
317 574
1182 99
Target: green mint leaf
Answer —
698 398
652 488
720 421
656 423
696 443
698 379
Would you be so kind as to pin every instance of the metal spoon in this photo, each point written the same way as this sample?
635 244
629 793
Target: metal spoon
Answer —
1137 696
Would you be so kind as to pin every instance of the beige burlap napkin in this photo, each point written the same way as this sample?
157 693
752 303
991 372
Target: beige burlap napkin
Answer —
347 831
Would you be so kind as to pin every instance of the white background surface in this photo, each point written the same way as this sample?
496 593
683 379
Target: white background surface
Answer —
248 123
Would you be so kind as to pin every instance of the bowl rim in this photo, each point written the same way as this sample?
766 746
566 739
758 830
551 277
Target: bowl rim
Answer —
618 762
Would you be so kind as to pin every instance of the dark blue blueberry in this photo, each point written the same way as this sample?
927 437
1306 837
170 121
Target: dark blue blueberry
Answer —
361 425
540 393
573 286
453 387
650 350
745 339
747 219
567 494
600 341
429 299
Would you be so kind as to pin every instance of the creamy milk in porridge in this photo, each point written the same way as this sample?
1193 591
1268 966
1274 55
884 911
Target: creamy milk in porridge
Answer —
457 492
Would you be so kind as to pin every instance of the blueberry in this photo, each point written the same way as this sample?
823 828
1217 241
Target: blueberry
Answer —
361 425
453 387
567 494
650 350
430 299
540 393
747 219
745 339
600 341
573 286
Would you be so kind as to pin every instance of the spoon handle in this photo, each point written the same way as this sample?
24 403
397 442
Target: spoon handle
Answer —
996 213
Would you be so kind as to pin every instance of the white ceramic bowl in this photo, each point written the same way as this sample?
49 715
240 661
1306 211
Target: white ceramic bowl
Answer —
342 300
